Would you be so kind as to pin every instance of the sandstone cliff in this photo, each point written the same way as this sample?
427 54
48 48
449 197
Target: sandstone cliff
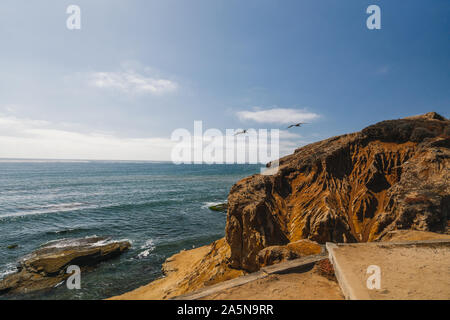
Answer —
356 187
351 188
188 271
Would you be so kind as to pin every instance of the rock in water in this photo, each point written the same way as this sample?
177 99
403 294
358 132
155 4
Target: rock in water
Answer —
351 188
222 207
46 267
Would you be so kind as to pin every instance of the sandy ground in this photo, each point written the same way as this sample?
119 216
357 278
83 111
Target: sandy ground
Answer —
293 286
308 285
413 235
407 272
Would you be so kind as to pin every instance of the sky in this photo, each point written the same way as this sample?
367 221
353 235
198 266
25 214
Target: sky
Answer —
138 70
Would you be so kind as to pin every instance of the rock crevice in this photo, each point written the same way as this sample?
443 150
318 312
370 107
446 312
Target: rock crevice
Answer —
351 188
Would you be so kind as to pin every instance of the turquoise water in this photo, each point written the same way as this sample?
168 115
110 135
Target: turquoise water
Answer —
161 208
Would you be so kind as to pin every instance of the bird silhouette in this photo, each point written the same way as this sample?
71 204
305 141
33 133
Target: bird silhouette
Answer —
242 132
296 125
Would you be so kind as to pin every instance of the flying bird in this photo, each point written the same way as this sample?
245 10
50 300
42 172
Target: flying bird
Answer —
241 132
296 125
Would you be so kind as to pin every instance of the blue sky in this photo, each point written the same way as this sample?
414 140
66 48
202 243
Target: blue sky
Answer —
139 69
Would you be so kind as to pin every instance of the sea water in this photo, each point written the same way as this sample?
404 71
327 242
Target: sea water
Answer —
161 208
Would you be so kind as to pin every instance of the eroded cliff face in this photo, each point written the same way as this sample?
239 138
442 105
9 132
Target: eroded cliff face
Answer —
188 271
352 188
388 182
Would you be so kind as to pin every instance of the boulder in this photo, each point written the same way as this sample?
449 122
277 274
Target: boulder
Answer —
276 254
46 267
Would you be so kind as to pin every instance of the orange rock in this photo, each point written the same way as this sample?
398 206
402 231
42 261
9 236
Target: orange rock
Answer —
355 187
351 188
293 250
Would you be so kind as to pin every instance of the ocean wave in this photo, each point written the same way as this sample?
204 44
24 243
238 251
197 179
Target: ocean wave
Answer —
140 205
148 247
66 231
9 269
206 205
51 208
86 241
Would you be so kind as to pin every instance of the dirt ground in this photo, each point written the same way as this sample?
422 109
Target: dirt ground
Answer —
308 285
413 235
292 286
407 272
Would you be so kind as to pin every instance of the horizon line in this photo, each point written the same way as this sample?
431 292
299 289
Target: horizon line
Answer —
11 160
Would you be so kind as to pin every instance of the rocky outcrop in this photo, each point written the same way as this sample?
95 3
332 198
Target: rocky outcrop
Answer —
388 182
294 250
188 271
351 188
222 207
46 267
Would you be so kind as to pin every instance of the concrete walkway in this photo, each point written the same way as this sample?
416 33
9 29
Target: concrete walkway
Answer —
406 270
392 270
280 268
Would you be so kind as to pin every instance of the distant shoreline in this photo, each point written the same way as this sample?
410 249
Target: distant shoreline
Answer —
42 160
38 160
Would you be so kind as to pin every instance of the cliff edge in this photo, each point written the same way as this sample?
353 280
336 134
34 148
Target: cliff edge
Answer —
351 188
356 187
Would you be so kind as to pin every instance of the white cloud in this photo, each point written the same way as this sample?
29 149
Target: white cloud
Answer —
286 134
25 138
278 115
9 108
28 138
131 82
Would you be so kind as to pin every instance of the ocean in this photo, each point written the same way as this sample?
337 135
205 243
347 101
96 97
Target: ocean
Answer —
161 208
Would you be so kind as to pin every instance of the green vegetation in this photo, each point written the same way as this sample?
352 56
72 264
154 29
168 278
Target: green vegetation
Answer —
219 207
